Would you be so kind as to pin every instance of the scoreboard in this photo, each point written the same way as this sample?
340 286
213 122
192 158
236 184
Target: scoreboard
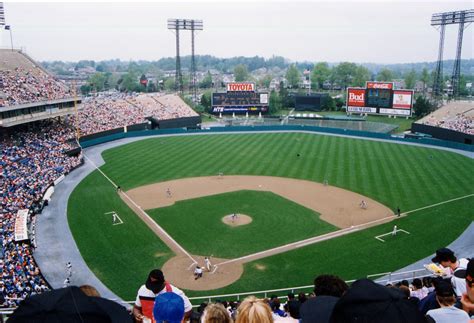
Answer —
380 98
240 98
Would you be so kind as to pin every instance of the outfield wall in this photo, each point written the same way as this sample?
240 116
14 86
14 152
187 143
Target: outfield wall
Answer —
363 134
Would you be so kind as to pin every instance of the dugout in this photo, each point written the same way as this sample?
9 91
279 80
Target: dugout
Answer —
312 102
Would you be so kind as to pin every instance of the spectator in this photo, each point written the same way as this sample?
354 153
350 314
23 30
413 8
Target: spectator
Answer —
328 289
30 161
446 299
417 289
154 286
216 313
366 301
253 310
456 269
293 306
467 299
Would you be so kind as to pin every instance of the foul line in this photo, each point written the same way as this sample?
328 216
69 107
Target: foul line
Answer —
440 203
158 227
327 236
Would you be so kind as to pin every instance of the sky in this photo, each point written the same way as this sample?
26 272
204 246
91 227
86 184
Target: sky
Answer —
356 31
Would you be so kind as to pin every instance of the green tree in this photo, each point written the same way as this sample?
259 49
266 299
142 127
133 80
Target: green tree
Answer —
425 78
129 82
86 89
385 75
344 74
265 81
169 84
422 106
97 81
329 104
241 73
274 102
206 100
151 87
293 76
206 82
362 75
320 74
285 99
410 79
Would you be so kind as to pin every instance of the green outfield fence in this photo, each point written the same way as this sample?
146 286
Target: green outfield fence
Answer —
273 128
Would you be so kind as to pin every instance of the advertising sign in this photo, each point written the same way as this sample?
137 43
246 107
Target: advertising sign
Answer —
355 97
402 99
239 87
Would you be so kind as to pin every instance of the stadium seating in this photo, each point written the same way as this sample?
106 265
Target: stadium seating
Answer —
31 160
457 116
21 81
114 110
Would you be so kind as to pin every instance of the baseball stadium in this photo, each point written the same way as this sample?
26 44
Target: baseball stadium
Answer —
101 189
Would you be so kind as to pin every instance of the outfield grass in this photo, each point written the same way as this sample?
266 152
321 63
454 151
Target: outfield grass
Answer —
275 221
396 175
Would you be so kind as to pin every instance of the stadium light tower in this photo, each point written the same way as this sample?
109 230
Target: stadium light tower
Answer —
450 18
185 24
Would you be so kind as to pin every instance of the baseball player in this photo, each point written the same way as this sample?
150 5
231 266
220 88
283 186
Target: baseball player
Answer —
394 231
207 263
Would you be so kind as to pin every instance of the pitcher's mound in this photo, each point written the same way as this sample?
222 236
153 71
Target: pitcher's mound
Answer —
236 219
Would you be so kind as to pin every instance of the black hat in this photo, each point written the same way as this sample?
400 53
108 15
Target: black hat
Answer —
157 284
443 254
367 301
444 289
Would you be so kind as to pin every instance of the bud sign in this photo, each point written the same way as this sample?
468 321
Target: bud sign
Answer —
355 97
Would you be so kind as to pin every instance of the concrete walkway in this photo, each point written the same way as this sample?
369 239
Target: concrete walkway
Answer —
56 245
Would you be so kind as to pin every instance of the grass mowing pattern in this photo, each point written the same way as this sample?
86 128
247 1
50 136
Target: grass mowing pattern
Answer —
395 175
196 224
120 255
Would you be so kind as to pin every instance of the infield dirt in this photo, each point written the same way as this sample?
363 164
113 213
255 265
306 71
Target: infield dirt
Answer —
337 206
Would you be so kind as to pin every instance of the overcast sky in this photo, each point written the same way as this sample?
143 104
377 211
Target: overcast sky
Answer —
374 31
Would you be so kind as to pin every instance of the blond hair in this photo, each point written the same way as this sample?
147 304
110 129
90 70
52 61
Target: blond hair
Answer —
253 310
216 313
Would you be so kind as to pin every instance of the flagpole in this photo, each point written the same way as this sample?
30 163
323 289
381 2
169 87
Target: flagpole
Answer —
11 37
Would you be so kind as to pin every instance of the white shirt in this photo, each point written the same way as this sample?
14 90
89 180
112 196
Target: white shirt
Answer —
143 291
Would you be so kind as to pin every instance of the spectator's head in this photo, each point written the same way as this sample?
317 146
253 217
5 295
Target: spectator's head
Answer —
291 296
89 290
169 307
445 257
329 285
155 281
445 294
470 280
252 310
302 297
216 313
405 290
417 283
427 282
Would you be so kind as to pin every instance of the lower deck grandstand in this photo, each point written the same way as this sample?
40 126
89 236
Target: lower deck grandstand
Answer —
456 115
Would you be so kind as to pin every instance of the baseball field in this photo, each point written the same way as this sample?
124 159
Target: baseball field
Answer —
233 173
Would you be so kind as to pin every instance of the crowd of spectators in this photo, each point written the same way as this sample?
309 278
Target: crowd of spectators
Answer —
31 160
114 110
19 86
459 122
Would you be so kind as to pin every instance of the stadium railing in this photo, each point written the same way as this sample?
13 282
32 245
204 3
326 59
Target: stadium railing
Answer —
384 278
